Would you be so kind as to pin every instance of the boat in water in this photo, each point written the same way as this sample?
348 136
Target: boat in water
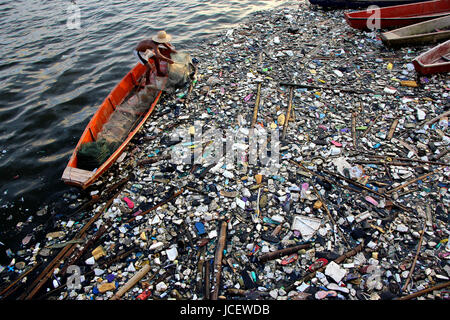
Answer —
342 4
422 33
435 60
397 16
117 120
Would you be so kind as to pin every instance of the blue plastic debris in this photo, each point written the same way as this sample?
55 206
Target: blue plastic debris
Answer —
200 228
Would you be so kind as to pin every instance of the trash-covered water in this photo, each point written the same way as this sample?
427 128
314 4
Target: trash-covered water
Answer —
351 203
55 69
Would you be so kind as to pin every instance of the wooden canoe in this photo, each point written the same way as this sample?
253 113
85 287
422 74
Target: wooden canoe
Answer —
75 176
435 60
344 4
427 32
398 16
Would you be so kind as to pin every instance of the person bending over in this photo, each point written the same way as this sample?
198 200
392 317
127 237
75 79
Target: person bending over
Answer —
153 44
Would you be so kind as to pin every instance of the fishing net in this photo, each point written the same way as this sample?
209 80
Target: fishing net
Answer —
92 154
181 72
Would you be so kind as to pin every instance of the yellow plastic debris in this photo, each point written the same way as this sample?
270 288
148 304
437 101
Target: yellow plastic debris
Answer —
98 252
106 287
409 83
317 204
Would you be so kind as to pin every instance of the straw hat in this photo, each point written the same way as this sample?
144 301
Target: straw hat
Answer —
162 37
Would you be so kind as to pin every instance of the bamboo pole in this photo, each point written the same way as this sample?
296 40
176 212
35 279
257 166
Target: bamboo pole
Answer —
406 159
122 254
299 85
415 258
445 114
154 159
218 259
255 109
412 181
207 280
392 129
382 163
329 215
6 292
94 239
288 113
132 282
348 187
425 291
354 129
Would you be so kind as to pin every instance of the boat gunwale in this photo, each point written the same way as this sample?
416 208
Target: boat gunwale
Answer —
418 60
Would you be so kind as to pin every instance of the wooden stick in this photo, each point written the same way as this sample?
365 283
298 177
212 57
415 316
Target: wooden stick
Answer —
132 282
218 259
338 260
299 85
348 187
399 164
440 155
158 205
370 126
407 159
354 129
118 257
207 281
191 86
154 159
80 253
255 109
412 181
392 129
425 291
406 146
288 113
329 215
201 261
415 258
445 114
279 253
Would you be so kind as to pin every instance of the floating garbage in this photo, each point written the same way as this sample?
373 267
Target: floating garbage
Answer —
346 196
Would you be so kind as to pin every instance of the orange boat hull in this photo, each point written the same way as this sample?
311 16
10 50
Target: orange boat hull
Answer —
75 176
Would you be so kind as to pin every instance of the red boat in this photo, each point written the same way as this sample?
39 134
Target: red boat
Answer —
435 60
125 90
397 16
